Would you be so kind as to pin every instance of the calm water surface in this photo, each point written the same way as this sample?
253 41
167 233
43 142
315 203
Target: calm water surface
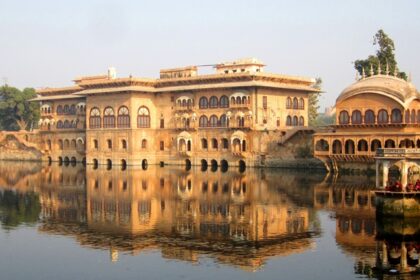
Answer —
68 222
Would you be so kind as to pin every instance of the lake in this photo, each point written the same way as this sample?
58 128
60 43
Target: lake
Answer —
76 222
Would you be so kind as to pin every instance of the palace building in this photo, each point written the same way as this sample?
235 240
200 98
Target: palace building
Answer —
379 111
236 116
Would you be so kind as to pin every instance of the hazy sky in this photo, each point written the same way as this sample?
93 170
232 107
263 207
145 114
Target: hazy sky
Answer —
49 43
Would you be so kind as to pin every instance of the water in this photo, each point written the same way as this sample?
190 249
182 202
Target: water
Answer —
66 222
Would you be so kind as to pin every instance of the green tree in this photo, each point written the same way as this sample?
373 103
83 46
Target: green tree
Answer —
384 56
16 111
313 101
17 208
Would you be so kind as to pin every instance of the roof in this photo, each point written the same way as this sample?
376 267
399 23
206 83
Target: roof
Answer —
395 88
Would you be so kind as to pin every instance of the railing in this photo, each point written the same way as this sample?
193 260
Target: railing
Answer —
397 152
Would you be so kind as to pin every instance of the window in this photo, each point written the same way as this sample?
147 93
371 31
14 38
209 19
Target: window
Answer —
278 122
72 110
225 143
356 117
295 121
224 102
265 102
203 121
295 103
109 143
162 145
66 109
95 144
109 118
59 125
203 103
66 124
382 116
143 118
369 117
162 123
289 103
288 121
59 110
301 121
95 118
124 144
214 144
396 116
223 121
204 144
240 121
343 117
123 120
301 103
144 144
213 121
213 103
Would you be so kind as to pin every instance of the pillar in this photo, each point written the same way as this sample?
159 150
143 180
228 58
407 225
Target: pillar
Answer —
377 174
404 174
385 169
384 254
403 256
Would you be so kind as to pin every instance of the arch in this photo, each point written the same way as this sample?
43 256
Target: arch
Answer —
224 101
203 103
123 164
108 164
289 103
49 159
356 117
301 103
236 145
322 145
59 110
109 117
187 164
213 121
60 160
144 164
295 103
73 143
301 121
66 161
406 143
189 145
60 125
383 116
213 102
144 144
375 144
343 118
66 144
407 116
95 163
223 121
362 145
66 109
95 118
204 144
288 121
396 116
214 165
72 110
369 117
240 121
124 144
73 161
233 100
242 166
203 121
413 116
204 165
123 119
60 144
49 145
182 145
143 117
225 143
389 143
295 121
349 147
224 165
109 143
337 147
66 124
214 144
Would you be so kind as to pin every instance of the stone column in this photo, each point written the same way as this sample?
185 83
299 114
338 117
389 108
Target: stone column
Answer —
384 254
404 174
403 256
385 169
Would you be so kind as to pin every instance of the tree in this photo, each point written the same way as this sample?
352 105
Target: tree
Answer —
16 111
384 56
313 100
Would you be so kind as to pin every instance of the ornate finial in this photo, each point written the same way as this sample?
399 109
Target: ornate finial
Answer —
379 68
357 75
396 71
371 70
363 73
387 68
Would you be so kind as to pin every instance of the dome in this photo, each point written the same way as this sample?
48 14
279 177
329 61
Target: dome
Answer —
395 88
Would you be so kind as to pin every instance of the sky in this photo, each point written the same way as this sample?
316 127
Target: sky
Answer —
48 43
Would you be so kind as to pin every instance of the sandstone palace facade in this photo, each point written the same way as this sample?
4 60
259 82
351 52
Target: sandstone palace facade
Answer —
236 116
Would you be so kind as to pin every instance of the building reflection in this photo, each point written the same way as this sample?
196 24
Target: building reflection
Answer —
239 219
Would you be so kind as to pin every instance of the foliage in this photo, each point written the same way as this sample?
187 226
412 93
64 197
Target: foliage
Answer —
16 111
313 101
17 208
304 151
323 120
384 55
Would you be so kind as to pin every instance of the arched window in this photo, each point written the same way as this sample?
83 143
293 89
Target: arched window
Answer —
295 121
375 144
396 116
369 117
362 146
240 121
225 143
223 121
144 144
244 100
59 125
59 110
301 103
413 116
109 118
213 103
95 118
356 117
214 143
407 116
123 119
66 109
288 121
203 122
213 121
124 144
238 100
337 149
203 103
349 147
232 100
204 143
295 103
301 121
382 116
72 110
289 103
143 117
343 117
66 124
224 102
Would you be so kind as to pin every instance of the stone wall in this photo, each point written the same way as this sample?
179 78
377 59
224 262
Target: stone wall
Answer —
17 146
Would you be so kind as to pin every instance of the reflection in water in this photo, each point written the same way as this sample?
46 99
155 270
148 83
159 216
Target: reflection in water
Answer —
237 218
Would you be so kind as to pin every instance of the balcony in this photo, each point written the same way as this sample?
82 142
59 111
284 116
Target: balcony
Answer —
240 106
185 108
185 153
398 153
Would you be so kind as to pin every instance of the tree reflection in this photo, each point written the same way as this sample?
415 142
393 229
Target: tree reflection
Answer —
17 208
